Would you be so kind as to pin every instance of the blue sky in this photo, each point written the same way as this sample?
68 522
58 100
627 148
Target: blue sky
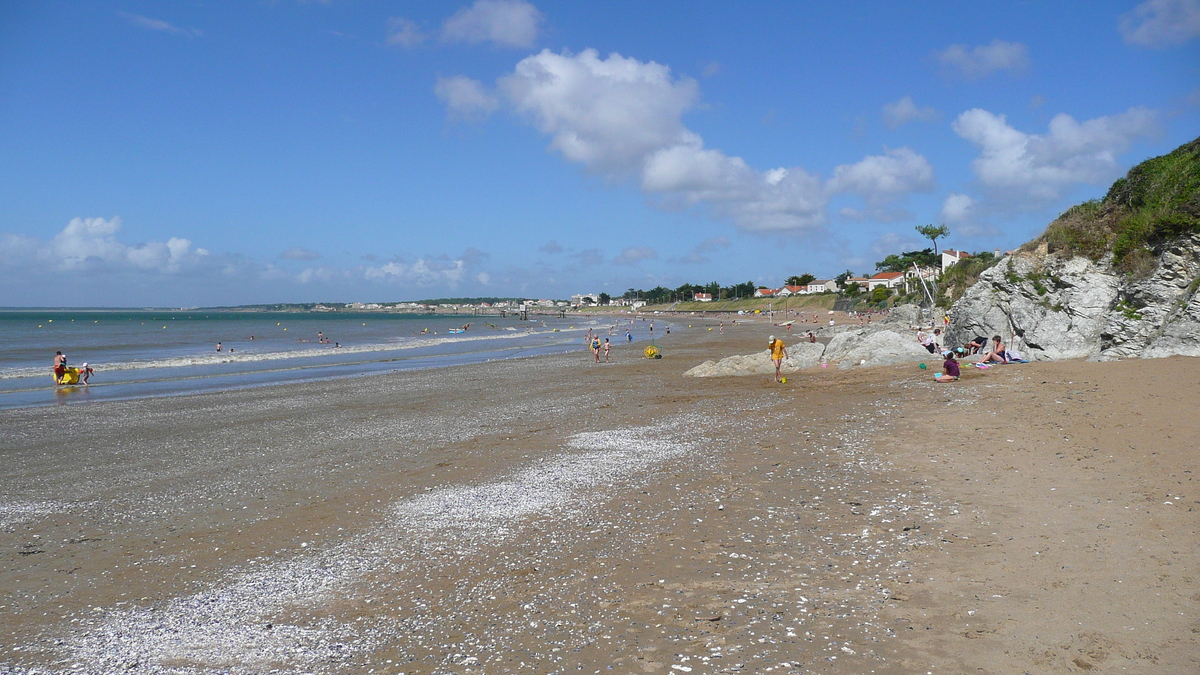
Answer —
218 153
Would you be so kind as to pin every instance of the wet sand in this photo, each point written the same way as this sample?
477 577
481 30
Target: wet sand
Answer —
554 515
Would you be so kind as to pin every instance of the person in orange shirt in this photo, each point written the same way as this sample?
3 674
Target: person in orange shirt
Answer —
778 354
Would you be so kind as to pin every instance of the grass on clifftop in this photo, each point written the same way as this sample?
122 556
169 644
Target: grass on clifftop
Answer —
1158 200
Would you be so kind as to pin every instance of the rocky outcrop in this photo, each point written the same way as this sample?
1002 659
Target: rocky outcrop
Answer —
800 356
874 347
880 344
1059 306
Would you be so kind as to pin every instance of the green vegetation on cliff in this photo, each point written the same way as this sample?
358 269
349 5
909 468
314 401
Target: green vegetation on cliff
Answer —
1157 201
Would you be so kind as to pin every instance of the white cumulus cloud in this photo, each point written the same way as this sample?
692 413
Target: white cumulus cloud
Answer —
91 244
1162 23
1032 169
878 177
465 98
507 23
956 208
983 60
423 272
899 113
621 117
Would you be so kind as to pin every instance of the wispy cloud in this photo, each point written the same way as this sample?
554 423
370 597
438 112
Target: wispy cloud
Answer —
159 25
465 98
697 256
298 253
506 23
403 32
983 60
634 255
1161 23
899 113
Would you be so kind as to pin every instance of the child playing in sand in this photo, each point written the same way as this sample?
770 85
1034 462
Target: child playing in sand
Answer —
950 372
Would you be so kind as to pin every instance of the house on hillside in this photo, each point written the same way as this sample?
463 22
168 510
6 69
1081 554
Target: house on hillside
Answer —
950 257
792 290
886 279
764 293
823 286
702 297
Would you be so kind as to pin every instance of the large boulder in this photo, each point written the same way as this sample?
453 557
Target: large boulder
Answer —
1045 306
875 347
800 356
1053 306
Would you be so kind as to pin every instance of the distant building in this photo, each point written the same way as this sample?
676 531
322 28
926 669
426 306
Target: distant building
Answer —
702 297
764 293
950 257
584 298
822 286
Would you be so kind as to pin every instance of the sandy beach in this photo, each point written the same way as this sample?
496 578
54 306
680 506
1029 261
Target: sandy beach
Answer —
553 515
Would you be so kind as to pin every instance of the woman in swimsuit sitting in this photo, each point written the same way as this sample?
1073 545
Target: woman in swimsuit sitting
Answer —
997 355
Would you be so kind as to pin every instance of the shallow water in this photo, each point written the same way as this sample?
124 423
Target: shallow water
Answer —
138 353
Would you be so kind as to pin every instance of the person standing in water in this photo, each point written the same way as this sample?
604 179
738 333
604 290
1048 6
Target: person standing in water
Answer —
60 365
218 346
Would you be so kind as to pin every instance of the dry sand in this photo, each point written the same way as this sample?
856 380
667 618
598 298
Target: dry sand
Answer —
553 515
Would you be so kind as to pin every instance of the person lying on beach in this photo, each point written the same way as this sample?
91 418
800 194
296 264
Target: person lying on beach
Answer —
950 371
997 355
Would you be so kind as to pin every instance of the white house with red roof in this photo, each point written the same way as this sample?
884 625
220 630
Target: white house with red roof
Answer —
702 297
950 257
886 279
764 293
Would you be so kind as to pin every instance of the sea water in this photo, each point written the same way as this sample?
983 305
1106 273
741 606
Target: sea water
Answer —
139 353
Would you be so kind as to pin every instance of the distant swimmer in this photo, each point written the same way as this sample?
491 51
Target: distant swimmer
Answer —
337 344
320 338
218 346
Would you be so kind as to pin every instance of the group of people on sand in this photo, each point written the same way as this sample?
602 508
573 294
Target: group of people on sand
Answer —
597 346
998 353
